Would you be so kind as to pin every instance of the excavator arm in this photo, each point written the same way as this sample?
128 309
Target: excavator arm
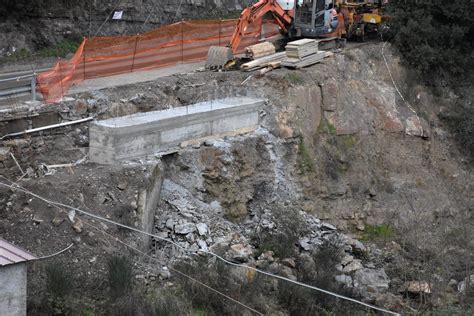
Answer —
256 12
218 57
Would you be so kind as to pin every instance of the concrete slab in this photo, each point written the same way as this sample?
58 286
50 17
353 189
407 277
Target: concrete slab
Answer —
143 134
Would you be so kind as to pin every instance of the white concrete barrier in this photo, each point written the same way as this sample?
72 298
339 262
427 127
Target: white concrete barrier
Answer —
128 137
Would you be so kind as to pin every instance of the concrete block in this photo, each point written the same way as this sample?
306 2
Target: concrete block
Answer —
129 137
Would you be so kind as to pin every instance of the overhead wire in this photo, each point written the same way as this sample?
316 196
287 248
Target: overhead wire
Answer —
21 189
398 89
176 270
150 257
108 17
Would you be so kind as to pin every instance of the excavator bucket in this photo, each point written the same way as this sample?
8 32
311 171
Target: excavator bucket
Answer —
218 57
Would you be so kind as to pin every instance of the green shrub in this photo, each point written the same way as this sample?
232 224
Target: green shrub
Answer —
289 228
119 276
460 121
306 163
320 272
167 303
433 37
378 232
59 285
294 78
61 49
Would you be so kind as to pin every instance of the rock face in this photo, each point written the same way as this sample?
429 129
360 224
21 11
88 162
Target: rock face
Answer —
33 25
370 281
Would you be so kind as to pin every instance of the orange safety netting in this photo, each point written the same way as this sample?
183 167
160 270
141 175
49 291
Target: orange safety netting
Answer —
186 41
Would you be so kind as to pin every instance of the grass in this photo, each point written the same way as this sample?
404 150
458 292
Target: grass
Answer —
331 129
383 231
327 127
119 275
306 163
348 140
294 78
61 49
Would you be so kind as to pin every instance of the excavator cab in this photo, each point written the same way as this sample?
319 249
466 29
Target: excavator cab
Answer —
310 18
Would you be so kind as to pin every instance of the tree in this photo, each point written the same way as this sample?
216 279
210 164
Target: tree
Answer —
435 37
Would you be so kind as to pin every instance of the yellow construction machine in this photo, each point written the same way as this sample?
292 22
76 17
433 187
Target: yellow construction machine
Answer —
363 19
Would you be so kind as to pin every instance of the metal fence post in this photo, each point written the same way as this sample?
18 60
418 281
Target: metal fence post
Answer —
33 87
84 57
134 51
220 25
182 41
61 77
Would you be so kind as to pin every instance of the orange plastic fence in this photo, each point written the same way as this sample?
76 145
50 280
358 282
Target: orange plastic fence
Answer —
181 42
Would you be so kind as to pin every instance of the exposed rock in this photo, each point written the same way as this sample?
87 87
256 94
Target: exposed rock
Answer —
355 265
77 226
267 255
37 219
390 301
170 223
122 185
328 226
304 243
346 260
462 284
282 270
371 281
184 229
240 252
288 273
58 219
202 229
416 287
202 245
343 279
357 246
4 153
289 262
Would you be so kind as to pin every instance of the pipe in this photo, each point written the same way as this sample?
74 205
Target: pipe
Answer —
39 129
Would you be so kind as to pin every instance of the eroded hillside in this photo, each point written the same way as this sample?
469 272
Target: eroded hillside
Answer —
342 186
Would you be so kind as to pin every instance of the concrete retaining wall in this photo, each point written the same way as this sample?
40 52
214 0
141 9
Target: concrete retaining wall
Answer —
143 134
148 199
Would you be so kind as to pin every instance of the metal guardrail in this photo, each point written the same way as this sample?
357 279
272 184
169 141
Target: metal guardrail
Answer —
23 86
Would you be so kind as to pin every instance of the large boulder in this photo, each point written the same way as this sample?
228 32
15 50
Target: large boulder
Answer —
370 282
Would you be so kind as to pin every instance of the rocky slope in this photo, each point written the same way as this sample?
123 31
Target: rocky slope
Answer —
33 25
339 160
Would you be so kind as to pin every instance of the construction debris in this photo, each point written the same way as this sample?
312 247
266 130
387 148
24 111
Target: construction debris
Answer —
270 67
260 50
263 61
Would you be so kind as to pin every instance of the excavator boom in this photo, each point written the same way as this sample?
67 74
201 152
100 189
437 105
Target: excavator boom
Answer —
256 12
218 56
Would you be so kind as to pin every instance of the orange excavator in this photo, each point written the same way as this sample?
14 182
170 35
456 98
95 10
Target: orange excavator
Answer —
295 18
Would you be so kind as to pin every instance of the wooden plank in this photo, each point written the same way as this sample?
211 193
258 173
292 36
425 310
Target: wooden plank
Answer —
302 48
260 50
263 61
307 61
